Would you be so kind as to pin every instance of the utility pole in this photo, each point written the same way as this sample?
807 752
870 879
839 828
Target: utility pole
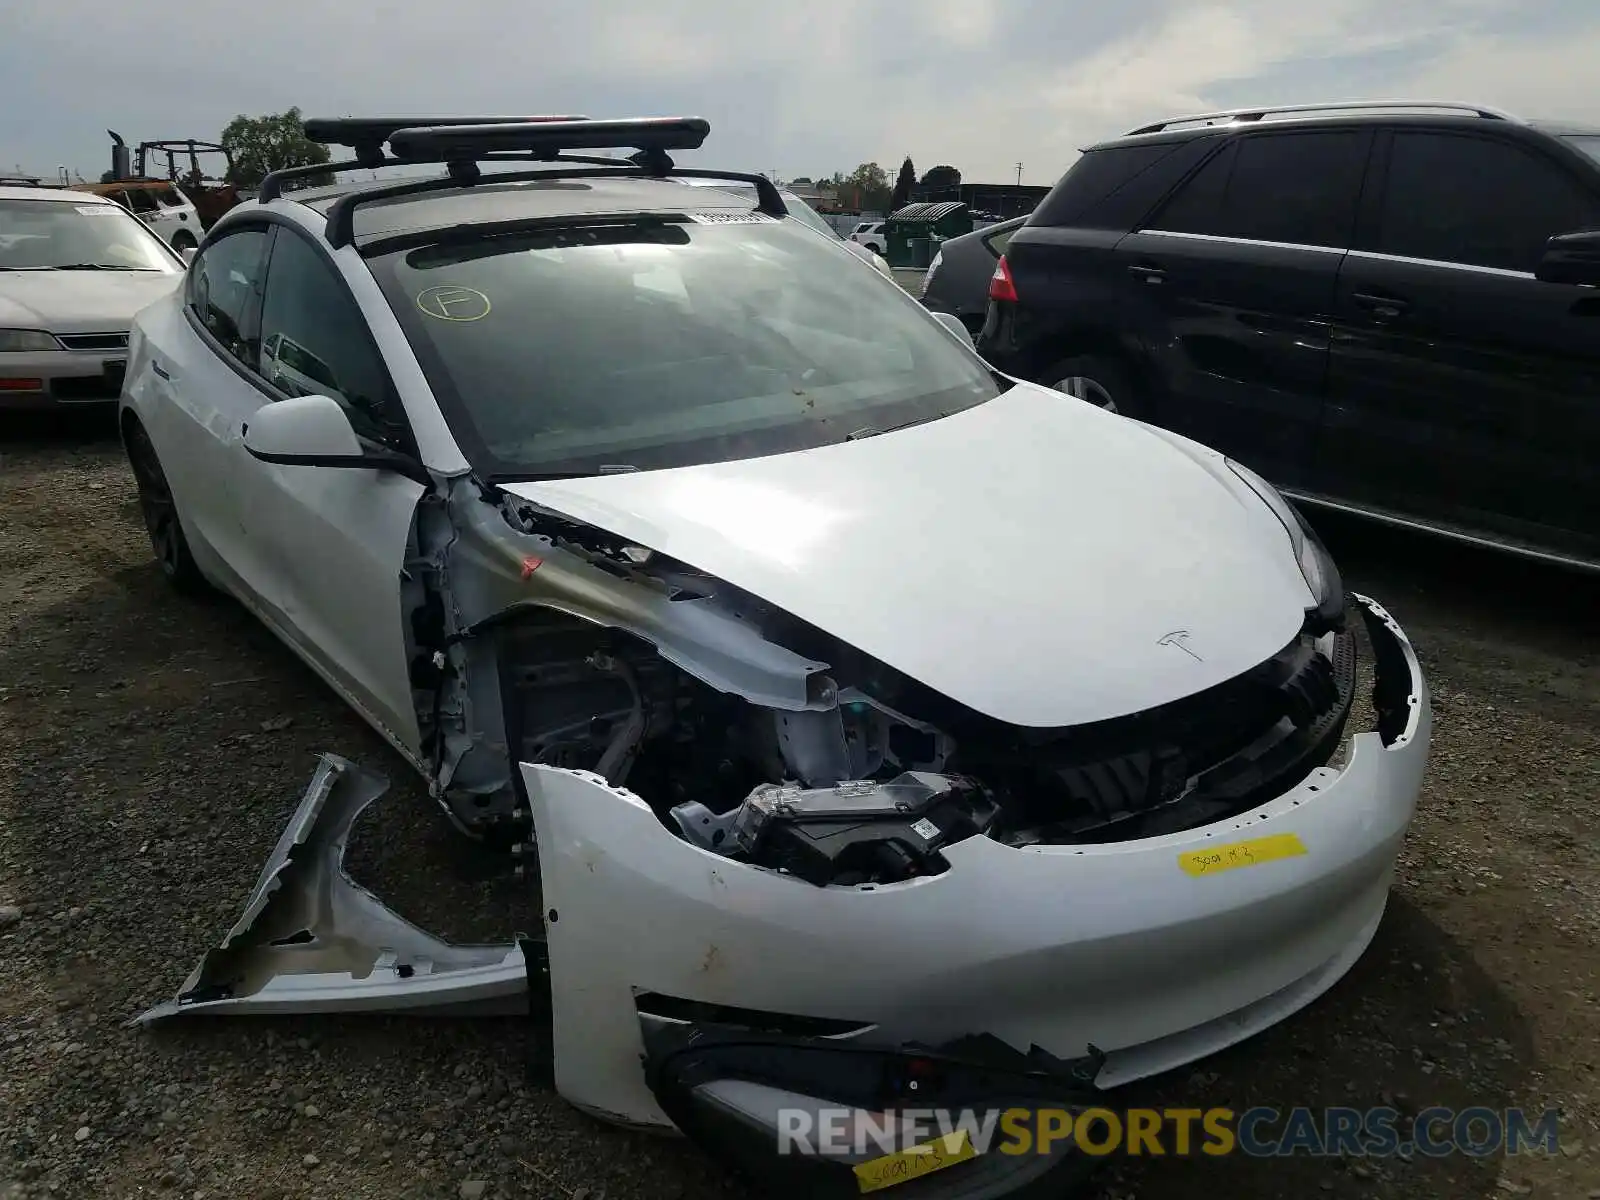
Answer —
1019 174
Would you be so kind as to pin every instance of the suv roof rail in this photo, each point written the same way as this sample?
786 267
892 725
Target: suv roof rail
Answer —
461 144
1246 115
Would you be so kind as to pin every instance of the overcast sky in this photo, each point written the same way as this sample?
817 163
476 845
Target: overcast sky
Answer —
798 88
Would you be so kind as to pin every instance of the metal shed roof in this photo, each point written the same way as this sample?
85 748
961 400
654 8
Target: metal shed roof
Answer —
926 214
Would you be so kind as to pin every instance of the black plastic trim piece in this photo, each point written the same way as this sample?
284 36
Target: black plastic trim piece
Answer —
375 460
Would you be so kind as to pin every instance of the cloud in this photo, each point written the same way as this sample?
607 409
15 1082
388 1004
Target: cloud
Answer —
787 86
1184 58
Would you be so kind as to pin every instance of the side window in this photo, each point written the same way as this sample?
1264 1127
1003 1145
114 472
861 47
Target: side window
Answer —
1197 207
1001 240
316 341
222 286
1463 199
1297 188
142 200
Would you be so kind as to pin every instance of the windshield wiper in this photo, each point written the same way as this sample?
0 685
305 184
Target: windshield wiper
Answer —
97 267
867 431
548 476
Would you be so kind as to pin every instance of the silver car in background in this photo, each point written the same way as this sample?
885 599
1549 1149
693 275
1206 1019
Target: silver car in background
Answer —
74 269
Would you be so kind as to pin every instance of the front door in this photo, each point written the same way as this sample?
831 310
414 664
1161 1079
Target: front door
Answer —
1461 389
332 541
1231 286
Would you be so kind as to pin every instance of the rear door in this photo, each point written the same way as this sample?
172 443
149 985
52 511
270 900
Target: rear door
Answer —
1231 287
1462 389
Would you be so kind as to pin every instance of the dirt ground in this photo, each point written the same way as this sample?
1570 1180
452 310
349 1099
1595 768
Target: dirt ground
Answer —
151 749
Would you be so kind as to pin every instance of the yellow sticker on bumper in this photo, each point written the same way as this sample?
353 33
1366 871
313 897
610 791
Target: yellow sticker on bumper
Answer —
1233 855
915 1161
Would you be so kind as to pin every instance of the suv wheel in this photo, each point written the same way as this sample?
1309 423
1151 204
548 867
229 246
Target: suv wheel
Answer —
1098 381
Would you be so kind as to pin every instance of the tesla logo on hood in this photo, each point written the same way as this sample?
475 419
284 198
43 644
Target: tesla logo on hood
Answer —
1180 639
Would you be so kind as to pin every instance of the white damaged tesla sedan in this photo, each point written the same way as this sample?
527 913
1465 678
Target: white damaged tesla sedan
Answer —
879 728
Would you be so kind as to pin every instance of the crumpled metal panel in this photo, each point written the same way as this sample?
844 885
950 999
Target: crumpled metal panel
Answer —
312 940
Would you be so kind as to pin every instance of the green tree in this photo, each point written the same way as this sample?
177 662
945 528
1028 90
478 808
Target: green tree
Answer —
903 183
867 188
941 177
267 143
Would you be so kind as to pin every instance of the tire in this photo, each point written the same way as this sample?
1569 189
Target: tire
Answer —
1103 382
160 512
874 247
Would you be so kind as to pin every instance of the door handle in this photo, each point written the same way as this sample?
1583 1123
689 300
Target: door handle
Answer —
160 370
1148 272
1384 307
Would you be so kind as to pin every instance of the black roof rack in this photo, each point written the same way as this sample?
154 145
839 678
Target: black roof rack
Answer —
366 135
462 144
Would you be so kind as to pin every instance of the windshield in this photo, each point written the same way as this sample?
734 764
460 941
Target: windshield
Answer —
645 342
1589 143
56 235
798 208
802 211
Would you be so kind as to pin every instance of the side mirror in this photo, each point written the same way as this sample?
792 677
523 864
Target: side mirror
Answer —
188 253
313 431
954 324
1571 258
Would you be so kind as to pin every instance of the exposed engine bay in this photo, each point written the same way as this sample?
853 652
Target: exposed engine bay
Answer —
538 639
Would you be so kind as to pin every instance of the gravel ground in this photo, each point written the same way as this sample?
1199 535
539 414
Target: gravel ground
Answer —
152 748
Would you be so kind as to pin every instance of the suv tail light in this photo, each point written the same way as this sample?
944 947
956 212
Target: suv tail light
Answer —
1000 285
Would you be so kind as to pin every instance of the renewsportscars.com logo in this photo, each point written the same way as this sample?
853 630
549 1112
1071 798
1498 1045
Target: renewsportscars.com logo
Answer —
1261 1132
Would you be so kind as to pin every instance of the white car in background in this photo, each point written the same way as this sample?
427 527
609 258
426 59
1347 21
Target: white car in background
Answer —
161 204
871 235
74 269
873 717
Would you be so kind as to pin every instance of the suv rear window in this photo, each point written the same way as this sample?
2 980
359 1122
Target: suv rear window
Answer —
1096 175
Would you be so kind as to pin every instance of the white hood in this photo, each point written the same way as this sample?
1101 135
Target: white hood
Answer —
79 301
1041 561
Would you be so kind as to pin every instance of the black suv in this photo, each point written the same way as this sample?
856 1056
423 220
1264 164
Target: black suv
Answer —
1392 309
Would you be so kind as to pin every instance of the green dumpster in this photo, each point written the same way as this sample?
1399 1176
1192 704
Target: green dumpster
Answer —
911 233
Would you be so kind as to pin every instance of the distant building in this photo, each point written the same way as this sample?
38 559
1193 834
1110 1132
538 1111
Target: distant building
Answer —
822 196
1001 201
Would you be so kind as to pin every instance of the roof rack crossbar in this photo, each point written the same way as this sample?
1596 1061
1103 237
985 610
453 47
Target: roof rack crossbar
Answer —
367 135
651 135
341 216
1243 115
